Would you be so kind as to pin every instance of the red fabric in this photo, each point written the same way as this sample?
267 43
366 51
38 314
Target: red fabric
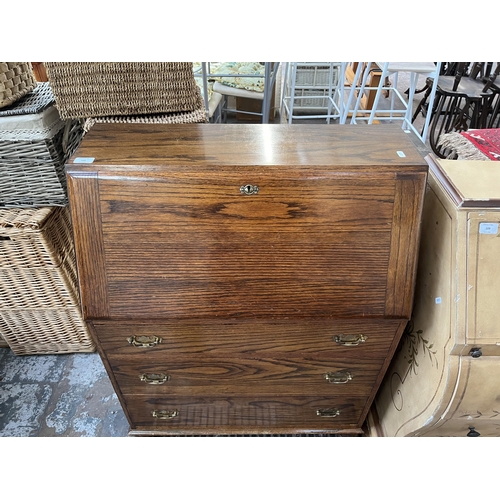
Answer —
487 140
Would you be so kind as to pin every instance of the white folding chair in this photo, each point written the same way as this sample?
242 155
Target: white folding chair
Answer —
425 69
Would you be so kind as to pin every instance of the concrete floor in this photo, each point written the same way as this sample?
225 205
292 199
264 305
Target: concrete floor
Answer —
57 395
71 394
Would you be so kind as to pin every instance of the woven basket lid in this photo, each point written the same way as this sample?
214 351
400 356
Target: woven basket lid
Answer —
16 80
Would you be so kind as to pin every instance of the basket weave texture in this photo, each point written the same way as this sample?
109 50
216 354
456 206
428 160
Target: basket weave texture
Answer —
196 116
38 237
84 90
45 331
33 102
3 342
39 298
32 171
16 80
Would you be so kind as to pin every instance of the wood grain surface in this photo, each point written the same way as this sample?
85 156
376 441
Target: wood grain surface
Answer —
246 291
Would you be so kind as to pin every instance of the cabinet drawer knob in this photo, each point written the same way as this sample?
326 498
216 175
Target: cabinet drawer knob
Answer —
476 352
154 378
144 340
350 340
165 414
328 412
340 377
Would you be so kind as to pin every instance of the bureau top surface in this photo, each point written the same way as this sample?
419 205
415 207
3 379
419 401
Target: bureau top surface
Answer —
210 145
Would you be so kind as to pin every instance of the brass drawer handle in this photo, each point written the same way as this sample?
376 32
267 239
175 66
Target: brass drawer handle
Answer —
340 377
328 412
350 340
249 189
165 414
144 340
154 378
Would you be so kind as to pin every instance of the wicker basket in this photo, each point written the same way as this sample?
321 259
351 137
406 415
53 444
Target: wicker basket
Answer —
45 331
35 238
3 342
32 171
39 288
34 102
16 80
39 299
85 90
197 116
38 266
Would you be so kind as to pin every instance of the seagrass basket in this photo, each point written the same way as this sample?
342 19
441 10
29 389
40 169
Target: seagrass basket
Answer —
196 116
16 80
84 90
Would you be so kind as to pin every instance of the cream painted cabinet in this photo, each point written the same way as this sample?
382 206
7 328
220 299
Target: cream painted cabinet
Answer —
445 377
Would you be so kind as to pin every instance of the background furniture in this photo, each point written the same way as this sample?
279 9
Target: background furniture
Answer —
244 82
243 279
308 91
400 107
443 380
466 97
427 70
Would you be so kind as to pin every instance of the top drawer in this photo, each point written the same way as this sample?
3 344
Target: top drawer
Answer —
182 241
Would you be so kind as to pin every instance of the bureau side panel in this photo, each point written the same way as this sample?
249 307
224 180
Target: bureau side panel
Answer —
83 189
408 205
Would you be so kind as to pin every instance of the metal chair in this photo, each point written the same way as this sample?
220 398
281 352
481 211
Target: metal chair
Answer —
400 107
468 99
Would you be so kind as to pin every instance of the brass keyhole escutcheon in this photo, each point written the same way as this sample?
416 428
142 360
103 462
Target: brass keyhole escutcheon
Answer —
249 189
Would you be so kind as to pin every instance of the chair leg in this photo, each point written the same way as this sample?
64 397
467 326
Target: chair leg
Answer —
378 94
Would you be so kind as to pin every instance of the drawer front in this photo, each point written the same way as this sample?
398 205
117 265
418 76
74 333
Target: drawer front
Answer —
322 339
153 376
220 414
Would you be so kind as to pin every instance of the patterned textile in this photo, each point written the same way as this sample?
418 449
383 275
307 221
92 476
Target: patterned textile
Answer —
253 83
486 140
474 144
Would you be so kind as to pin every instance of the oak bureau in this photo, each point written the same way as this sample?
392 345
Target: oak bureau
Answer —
246 278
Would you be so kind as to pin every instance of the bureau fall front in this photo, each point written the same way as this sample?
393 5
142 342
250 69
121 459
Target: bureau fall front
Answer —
246 279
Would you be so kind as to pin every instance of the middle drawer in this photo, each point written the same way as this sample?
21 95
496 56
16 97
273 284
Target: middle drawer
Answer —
160 374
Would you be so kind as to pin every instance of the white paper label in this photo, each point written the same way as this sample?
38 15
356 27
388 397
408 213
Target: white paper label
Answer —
84 159
488 228
401 154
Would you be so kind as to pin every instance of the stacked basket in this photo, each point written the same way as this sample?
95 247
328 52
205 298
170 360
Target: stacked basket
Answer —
39 311
127 92
39 302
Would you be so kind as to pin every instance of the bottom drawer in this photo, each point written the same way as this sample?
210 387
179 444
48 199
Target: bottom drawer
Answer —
220 415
